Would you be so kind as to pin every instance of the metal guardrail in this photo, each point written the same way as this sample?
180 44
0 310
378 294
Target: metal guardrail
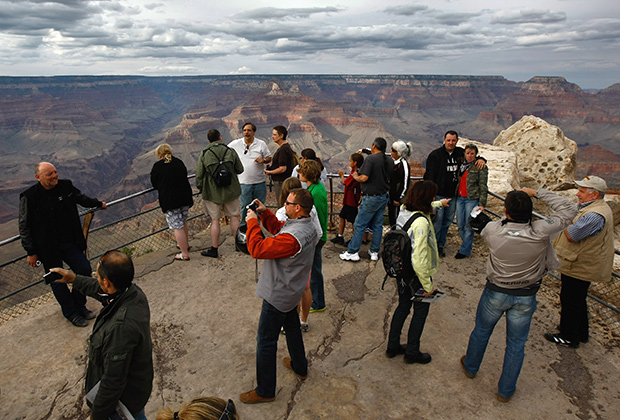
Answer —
141 232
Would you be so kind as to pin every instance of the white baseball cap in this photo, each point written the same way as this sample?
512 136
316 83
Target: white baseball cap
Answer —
593 182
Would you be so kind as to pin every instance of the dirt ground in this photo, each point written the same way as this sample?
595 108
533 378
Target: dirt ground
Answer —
204 317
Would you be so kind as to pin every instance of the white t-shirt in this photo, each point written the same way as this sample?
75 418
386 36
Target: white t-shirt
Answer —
253 173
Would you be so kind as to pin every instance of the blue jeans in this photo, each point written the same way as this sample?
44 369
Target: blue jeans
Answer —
464 206
316 278
249 192
445 217
271 320
71 301
370 213
519 311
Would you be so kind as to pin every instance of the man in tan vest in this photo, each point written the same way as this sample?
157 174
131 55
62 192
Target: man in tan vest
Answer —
586 251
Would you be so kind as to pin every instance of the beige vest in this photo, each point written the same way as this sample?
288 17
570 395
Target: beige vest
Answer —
592 258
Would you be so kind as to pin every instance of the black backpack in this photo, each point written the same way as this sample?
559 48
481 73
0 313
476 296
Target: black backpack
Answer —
222 176
396 253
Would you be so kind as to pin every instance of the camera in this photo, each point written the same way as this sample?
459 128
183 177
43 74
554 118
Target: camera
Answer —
252 206
51 277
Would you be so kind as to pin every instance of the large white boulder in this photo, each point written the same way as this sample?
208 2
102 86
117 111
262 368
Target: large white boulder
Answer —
545 157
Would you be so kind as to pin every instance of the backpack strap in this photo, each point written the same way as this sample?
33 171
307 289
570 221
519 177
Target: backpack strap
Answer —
222 160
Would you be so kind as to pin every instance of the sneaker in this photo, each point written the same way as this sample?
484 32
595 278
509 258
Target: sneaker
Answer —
87 314
422 358
460 256
211 252
339 239
78 321
391 353
346 256
251 397
441 252
304 326
558 339
374 256
313 310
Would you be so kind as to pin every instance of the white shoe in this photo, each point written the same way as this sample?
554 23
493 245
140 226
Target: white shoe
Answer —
374 256
349 257
304 326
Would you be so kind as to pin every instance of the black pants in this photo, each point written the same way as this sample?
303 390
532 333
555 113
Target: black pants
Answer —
420 312
574 315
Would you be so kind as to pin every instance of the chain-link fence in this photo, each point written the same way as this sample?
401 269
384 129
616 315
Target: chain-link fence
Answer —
140 232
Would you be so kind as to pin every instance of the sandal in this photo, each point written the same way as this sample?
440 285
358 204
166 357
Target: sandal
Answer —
180 257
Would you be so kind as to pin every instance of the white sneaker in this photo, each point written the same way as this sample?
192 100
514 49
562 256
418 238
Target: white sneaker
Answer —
349 257
374 256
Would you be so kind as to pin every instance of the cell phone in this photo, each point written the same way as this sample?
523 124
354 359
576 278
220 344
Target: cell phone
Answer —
252 206
51 277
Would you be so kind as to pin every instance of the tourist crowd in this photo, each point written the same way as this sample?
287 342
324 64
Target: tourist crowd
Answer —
232 181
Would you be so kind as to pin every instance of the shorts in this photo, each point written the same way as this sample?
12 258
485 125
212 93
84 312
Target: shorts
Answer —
176 218
348 213
214 210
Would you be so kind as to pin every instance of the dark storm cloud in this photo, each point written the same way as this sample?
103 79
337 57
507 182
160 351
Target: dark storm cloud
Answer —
24 16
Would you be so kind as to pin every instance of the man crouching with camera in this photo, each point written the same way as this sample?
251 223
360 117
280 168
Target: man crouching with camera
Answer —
288 260
120 360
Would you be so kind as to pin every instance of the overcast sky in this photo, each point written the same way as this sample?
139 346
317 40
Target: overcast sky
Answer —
577 39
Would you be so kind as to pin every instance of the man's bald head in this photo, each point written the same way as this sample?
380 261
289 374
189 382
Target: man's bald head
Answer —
46 174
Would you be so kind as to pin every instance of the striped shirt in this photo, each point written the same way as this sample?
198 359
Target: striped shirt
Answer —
590 224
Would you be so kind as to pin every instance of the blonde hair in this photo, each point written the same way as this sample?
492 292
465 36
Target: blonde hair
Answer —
164 151
288 185
201 408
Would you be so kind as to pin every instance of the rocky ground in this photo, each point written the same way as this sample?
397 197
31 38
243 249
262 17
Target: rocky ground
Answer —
204 320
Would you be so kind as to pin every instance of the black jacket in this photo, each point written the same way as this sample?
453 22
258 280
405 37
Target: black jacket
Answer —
443 169
170 181
120 352
38 233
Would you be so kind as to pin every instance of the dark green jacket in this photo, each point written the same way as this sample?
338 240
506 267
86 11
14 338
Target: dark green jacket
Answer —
207 164
120 351
477 188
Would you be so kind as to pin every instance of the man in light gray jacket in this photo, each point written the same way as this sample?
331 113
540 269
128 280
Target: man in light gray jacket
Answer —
520 254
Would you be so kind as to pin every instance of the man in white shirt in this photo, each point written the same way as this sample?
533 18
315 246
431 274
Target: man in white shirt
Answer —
254 154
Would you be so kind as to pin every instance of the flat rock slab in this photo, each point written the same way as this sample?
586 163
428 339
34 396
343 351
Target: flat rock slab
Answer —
204 317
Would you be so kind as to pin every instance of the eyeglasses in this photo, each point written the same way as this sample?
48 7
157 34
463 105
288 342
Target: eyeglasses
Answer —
247 148
291 204
229 411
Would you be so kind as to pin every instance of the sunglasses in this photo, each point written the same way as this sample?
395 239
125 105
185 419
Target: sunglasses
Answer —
247 148
288 203
102 261
229 411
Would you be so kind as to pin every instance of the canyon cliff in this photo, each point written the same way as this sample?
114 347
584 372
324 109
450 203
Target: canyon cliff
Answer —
101 131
